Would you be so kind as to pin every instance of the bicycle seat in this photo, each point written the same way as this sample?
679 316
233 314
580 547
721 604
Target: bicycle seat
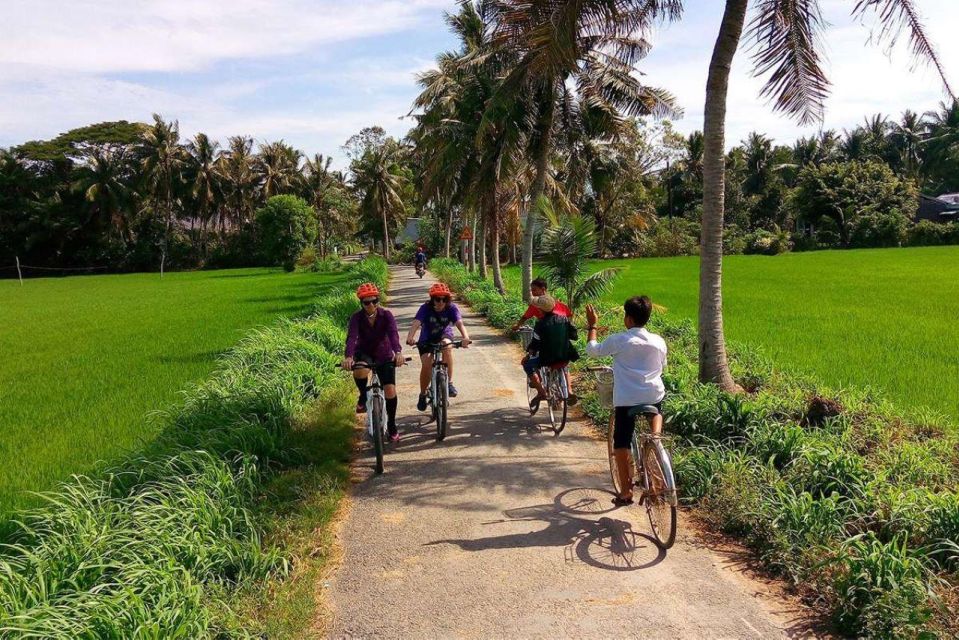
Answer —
644 410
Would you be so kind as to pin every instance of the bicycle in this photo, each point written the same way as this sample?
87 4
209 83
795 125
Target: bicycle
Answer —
376 425
553 378
438 393
420 269
651 465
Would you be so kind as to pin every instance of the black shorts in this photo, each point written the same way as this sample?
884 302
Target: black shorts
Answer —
427 347
385 371
624 425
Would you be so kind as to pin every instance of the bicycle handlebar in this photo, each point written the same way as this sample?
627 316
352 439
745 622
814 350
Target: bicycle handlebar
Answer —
366 365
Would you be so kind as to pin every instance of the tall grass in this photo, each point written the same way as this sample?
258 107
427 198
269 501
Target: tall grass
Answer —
853 503
155 547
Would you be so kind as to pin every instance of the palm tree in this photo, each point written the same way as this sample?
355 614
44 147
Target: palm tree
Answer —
325 191
942 148
239 180
567 244
907 139
162 169
205 188
277 165
787 41
589 47
379 178
104 179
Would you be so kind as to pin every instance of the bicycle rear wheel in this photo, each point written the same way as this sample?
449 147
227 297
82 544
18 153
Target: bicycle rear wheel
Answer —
441 404
377 415
659 493
558 397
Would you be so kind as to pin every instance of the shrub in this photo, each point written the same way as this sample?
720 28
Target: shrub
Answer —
880 229
927 233
286 225
767 243
672 237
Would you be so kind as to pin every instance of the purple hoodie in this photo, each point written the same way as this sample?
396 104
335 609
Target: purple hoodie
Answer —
380 340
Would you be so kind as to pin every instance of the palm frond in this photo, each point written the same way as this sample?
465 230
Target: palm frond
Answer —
787 35
594 286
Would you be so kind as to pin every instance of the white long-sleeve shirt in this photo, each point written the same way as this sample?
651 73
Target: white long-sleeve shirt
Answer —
639 358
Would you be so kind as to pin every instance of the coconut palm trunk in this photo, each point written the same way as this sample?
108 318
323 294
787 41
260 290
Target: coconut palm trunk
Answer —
713 363
494 236
481 237
544 133
449 230
386 236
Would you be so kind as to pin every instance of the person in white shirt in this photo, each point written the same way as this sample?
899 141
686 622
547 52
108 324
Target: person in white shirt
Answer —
639 358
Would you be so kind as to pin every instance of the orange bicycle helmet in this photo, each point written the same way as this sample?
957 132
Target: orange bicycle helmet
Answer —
440 289
367 290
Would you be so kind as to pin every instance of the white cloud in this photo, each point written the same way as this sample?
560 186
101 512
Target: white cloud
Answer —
109 36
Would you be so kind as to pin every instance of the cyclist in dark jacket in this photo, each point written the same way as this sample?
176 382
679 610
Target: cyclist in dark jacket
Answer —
552 344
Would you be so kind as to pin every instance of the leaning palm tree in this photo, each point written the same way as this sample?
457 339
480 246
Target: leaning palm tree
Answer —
787 37
566 246
941 168
587 46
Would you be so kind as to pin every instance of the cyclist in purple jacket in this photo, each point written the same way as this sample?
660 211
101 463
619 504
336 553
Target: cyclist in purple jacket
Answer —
372 338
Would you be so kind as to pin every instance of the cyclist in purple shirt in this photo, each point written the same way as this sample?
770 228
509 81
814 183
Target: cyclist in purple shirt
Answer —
436 318
372 338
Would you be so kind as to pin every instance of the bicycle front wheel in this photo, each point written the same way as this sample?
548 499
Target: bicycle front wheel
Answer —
442 403
378 414
659 493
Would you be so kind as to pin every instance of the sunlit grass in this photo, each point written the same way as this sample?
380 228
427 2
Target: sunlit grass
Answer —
881 318
84 359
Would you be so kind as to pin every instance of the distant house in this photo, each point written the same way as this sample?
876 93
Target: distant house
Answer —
944 208
409 233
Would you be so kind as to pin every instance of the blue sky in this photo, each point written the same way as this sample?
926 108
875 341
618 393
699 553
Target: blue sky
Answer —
313 72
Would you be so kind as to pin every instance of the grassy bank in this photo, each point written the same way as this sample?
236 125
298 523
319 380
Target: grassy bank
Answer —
835 492
181 541
878 318
85 358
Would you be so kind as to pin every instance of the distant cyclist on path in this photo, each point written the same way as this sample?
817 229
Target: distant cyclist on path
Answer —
372 338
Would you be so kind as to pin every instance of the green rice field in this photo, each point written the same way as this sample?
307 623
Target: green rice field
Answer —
84 360
887 319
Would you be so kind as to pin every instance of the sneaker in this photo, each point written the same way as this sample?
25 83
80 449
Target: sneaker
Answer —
394 437
534 404
453 390
361 407
421 403
572 399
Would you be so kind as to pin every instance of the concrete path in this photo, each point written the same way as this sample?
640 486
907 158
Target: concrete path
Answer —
505 531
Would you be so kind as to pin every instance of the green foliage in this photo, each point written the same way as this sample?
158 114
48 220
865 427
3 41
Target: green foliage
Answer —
927 233
286 225
565 247
846 192
675 237
166 540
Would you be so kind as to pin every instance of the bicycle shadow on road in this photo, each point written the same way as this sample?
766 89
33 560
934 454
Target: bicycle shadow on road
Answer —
604 543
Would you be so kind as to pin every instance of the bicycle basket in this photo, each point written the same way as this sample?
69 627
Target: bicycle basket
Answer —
525 336
604 386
